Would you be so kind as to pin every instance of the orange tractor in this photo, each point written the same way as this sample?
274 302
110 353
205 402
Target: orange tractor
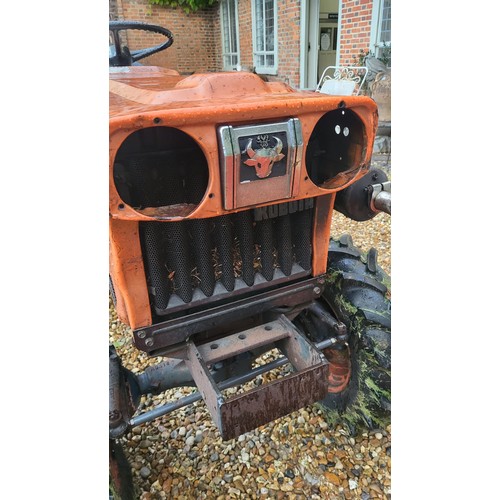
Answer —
222 189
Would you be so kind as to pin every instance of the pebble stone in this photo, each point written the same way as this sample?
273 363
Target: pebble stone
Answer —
145 472
300 456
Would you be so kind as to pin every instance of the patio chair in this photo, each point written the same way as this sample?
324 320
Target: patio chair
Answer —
342 80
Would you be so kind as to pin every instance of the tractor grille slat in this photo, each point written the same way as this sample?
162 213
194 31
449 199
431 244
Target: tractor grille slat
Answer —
285 244
224 239
265 232
178 252
195 261
302 224
200 232
153 246
244 230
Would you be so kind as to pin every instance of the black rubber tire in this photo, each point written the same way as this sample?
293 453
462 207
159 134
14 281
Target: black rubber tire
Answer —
121 485
357 293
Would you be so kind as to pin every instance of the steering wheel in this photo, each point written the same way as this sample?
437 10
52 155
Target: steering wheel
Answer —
121 55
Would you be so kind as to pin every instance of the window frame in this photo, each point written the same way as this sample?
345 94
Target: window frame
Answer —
225 55
376 45
265 69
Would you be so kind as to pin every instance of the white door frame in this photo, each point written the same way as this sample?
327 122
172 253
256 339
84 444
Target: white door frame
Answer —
304 14
339 35
309 37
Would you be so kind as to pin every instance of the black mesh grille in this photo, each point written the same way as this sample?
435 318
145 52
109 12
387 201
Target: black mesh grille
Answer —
301 223
202 252
153 247
266 240
190 261
284 244
244 230
224 242
178 251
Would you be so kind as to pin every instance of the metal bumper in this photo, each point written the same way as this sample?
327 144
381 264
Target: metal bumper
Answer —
244 412
219 364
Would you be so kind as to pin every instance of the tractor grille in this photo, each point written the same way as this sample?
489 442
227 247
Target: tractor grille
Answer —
194 262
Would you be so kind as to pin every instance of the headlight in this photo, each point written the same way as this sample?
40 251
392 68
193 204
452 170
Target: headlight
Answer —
336 149
161 167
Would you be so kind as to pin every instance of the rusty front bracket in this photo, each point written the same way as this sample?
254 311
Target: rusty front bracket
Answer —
244 412
165 338
123 395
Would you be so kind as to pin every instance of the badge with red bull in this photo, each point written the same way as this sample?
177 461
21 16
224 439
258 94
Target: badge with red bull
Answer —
260 163
264 156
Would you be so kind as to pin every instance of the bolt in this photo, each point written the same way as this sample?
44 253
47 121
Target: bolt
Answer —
141 334
149 342
114 416
317 290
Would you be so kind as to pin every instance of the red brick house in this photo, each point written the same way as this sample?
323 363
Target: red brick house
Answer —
289 40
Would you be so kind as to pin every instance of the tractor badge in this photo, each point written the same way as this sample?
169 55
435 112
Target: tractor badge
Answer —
264 158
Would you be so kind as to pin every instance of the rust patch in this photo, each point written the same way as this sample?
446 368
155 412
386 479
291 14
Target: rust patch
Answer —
339 374
169 212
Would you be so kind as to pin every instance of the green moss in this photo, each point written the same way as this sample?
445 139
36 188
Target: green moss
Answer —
365 410
332 417
386 281
119 343
112 490
333 278
375 388
345 306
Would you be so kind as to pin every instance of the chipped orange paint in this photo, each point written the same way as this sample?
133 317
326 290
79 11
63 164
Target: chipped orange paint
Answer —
143 97
127 273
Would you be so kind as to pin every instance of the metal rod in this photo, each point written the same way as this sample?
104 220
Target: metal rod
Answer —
226 384
383 202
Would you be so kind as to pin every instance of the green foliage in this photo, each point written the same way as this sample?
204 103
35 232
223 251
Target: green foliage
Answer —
187 6
384 55
359 60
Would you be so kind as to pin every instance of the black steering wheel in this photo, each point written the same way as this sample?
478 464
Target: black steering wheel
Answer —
121 55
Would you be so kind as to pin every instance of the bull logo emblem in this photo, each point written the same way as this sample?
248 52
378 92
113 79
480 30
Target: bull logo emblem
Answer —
263 159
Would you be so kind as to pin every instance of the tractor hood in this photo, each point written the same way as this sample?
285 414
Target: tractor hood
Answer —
154 86
143 89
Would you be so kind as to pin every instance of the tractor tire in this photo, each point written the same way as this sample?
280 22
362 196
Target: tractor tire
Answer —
359 382
121 486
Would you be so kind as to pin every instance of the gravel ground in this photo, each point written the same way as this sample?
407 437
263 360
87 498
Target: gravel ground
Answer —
300 456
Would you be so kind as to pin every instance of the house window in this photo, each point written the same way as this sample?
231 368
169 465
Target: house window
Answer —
264 13
381 37
229 26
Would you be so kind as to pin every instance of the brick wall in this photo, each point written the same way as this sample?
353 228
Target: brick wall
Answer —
289 41
355 32
197 37
245 34
194 35
113 10
245 31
